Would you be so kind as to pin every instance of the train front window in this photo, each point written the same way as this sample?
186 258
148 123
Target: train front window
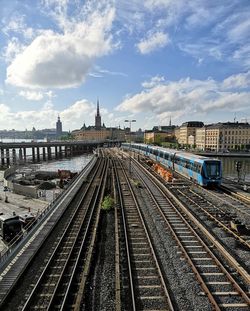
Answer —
213 169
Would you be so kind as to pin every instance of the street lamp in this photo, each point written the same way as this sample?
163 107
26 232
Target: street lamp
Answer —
130 121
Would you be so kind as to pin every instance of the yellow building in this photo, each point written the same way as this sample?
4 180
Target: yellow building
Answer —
200 138
91 134
188 129
160 134
98 131
227 136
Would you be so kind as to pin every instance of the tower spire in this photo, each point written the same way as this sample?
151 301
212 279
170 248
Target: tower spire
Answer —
98 111
98 122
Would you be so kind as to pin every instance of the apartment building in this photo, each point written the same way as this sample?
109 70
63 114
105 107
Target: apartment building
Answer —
188 129
160 134
227 136
200 138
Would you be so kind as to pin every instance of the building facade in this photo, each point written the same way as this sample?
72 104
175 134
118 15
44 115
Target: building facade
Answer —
98 131
227 136
160 134
200 138
188 129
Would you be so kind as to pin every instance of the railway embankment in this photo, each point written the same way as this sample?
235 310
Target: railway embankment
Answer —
164 246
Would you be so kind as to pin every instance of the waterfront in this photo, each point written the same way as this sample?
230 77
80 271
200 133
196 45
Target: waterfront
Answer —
77 163
74 164
229 167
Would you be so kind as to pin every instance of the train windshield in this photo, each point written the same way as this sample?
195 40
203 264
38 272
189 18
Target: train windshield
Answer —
213 169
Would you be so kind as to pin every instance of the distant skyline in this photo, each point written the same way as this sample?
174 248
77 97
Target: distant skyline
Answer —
148 60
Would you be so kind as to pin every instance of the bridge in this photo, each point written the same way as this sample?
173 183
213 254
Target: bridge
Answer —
19 152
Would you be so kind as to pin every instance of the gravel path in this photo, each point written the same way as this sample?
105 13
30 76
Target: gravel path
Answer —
101 287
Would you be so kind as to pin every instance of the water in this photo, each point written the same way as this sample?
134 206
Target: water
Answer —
229 167
74 164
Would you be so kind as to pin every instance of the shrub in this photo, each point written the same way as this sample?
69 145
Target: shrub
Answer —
108 203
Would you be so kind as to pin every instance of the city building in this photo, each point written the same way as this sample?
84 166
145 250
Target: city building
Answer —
200 138
227 136
134 136
188 129
160 134
99 131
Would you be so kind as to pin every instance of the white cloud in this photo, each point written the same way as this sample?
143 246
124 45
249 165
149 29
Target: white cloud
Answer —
100 73
72 117
61 60
242 55
153 82
241 80
189 97
77 113
4 109
31 95
18 26
13 48
153 42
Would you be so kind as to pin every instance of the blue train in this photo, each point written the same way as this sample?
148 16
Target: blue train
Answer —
205 171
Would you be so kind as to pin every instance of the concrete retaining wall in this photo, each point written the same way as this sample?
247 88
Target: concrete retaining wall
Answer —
25 190
16 188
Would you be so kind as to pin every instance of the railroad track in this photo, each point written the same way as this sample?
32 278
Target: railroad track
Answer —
216 205
142 280
218 283
68 261
200 205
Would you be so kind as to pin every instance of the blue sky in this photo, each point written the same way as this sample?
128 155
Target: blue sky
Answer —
148 60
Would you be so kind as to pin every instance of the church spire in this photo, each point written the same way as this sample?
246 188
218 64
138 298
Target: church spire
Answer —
98 122
98 111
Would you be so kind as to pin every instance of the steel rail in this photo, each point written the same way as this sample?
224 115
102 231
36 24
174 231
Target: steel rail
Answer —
132 291
35 289
164 287
230 259
204 286
117 249
220 223
225 191
236 195
37 241
85 273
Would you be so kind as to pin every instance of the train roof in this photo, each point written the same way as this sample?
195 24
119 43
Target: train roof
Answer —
4 217
186 155
195 157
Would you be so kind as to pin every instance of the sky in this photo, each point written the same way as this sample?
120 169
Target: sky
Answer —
151 61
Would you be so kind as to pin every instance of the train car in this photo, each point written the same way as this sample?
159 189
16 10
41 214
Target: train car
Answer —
28 220
204 171
10 226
